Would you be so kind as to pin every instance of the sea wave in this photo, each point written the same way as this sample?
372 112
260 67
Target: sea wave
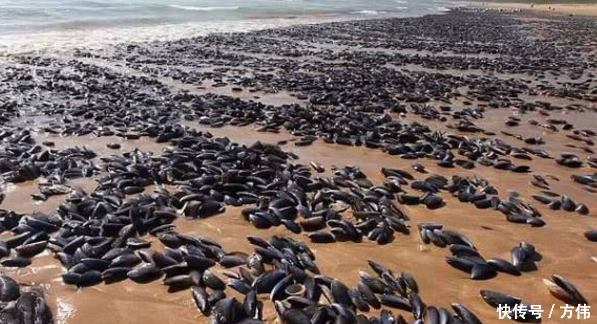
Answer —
102 39
401 1
90 3
191 8
367 12
81 27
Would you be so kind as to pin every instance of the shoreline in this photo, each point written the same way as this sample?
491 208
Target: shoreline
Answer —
582 9
157 178
64 41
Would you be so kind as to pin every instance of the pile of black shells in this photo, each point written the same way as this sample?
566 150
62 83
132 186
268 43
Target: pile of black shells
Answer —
20 304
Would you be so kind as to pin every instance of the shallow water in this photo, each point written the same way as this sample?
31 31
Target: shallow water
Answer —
52 25
34 14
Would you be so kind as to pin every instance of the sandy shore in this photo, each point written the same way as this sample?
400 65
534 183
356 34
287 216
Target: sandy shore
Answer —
586 9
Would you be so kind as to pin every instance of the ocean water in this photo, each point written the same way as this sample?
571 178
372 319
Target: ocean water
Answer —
31 24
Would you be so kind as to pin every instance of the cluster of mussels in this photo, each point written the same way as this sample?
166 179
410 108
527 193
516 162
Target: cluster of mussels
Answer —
320 203
99 236
285 269
467 258
351 126
19 304
22 160
346 125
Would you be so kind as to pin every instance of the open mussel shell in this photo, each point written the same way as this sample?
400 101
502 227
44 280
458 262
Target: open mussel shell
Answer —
295 290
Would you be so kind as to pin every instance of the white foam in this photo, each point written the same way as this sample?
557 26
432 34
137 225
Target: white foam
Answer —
439 9
57 42
368 12
401 8
191 8
65 310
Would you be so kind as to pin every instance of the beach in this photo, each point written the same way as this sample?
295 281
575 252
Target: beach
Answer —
561 8
383 168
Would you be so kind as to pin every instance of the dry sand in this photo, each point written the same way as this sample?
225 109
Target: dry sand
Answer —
584 9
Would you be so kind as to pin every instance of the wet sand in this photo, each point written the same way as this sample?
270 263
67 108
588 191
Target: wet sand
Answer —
561 242
565 250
